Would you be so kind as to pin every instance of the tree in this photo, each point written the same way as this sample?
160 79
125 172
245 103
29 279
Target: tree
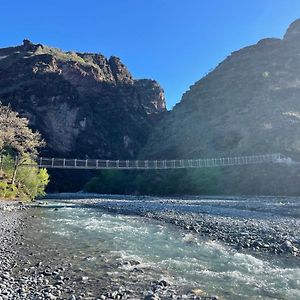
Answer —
17 138
32 182
7 117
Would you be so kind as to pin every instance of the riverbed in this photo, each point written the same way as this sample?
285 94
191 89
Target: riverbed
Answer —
124 247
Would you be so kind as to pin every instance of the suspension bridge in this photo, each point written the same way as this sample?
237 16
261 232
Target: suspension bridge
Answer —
95 164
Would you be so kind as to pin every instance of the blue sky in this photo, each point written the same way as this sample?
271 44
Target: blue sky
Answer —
172 41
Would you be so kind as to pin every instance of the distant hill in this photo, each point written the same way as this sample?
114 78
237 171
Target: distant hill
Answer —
249 104
84 104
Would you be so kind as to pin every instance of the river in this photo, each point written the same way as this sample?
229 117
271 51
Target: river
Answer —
114 242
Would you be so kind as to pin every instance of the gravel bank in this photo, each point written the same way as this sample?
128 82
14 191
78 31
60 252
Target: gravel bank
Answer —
11 220
280 237
27 273
243 229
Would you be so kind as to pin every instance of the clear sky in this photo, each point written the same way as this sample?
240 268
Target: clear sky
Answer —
172 41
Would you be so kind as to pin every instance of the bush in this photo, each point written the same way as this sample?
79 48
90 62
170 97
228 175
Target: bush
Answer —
155 182
30 181
7 190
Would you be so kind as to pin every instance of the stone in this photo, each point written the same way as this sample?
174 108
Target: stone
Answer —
198 292
84 278
151 297
59 282
163 283
47 272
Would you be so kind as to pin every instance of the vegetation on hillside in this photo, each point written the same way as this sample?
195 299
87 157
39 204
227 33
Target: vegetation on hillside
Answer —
155 182
18 147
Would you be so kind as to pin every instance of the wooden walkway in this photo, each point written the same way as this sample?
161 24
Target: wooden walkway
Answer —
95 164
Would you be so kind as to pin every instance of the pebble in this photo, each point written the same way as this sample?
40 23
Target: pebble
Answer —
152 297
37 280
278 235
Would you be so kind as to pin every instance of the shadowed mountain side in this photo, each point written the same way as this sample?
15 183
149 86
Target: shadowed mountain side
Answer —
250 104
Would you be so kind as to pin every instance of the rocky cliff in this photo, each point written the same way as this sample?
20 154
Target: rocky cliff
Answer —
84 104
250 104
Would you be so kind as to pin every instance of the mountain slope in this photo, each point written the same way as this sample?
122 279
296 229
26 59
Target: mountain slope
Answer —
250 104
84 104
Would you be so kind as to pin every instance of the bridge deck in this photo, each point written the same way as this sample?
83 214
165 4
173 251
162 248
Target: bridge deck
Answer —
62 163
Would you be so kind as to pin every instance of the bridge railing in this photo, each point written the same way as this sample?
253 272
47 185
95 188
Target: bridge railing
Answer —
158 164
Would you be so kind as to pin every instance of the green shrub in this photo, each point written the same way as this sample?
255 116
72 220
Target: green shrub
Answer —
156 182
8 191
30 181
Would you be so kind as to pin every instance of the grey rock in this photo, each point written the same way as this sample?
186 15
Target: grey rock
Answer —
151 297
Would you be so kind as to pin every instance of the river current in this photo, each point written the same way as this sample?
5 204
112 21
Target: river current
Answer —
130 250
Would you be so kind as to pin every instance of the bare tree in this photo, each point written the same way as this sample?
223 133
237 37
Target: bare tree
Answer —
7 117
17 138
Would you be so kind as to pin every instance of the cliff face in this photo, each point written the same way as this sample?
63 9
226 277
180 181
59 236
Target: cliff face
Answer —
83 104
250 104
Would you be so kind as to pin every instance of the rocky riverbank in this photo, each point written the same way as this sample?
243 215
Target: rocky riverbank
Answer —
11 221
28 272
246 229
21 276
31 270
256 235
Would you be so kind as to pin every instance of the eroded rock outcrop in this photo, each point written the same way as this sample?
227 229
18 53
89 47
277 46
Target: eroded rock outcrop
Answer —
84 104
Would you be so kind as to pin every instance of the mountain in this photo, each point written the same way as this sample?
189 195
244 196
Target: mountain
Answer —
249 104
84 104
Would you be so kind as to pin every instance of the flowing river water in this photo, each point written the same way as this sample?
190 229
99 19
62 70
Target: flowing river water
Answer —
109 248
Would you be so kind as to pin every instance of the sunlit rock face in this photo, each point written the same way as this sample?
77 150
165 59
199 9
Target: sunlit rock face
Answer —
249 104
83 103
293 31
